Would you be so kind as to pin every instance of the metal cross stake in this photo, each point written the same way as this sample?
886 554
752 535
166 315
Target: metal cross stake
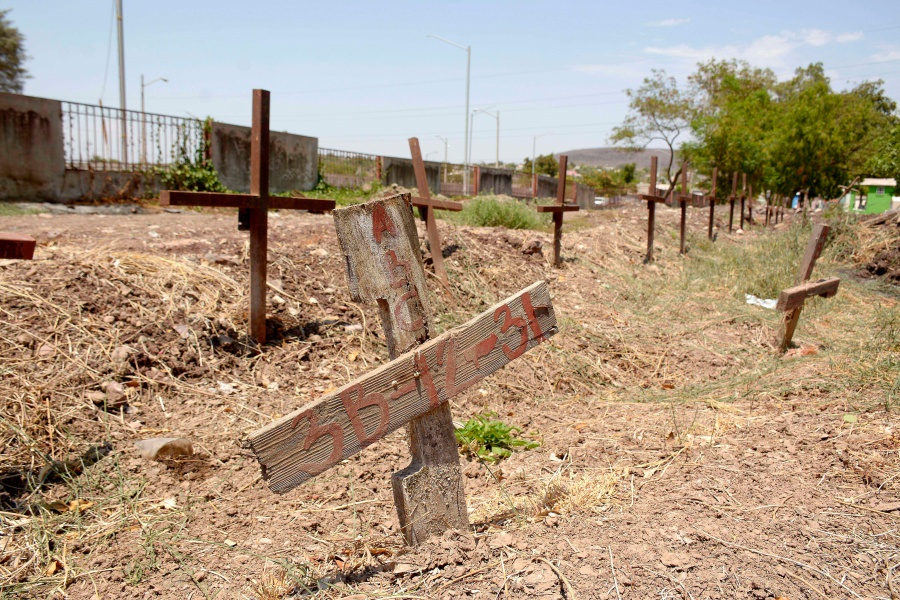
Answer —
791 300
743 198
682 201
381 248
731 200
16 245
427 205
252 210
712 201
651 199
558 209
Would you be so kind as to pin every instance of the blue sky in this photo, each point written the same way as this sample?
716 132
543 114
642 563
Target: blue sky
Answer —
363 75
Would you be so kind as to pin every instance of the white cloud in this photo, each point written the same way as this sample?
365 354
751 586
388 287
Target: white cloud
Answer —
886 55
668 23
768 51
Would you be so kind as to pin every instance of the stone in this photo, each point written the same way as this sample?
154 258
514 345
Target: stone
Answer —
115 394
320 252
533 246
159 448
121 354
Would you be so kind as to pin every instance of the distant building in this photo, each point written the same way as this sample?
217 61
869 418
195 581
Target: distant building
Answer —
874 196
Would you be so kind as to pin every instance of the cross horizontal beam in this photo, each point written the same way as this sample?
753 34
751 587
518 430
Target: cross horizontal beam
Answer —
556 208
794 297
437 204
16 245
317 436
652 198
219 200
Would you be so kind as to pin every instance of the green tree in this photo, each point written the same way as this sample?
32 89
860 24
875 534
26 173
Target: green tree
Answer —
544 164
628 171
658 112
885 160
12 56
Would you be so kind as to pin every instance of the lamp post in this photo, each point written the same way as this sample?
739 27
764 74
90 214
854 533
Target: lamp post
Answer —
468 50
144 117
120 27
446 146
533 157
496 117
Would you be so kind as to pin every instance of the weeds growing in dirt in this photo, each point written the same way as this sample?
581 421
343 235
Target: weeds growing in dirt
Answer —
489 439
491 211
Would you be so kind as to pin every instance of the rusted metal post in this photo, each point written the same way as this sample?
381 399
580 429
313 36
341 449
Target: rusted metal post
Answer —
259 222
534 186
712 201
682 202
558 216
651 210
476 180
731 200
379 168
750 201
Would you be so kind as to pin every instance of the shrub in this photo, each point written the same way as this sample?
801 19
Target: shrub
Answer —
490 211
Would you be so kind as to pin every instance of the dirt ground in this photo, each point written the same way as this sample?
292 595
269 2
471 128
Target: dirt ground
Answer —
680 455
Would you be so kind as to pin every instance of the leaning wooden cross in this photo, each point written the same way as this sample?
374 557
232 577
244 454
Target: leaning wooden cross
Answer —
682 201
427 205
253 210
791 300
652 198
558 209
712 201
380 245
16 245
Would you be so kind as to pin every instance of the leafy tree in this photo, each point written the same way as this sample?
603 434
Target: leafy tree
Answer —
12 56
628 171
885 161
658 112
544 164
609 182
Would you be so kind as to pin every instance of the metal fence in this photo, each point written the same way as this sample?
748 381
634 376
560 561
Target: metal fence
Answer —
342 168
112 139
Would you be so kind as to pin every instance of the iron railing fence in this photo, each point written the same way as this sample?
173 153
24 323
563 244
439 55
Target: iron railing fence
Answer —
111 139
342 168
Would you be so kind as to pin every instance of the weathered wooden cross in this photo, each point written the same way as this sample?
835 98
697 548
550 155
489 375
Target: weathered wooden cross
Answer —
731 199
558 209
253 210
791 300
427 205
743 197
712 201
751 199
384 264
682 201
16 245
651 199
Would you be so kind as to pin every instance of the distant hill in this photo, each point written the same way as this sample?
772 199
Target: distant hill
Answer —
615 158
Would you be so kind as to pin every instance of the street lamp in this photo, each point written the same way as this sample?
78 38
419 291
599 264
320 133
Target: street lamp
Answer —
468 50
495 116
533 156
446 146
144 116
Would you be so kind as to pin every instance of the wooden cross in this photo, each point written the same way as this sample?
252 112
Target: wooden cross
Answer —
651 199
16 245
750 201
558 209
682 201
380 245
791 300
712 201
253 210
731 200
427 205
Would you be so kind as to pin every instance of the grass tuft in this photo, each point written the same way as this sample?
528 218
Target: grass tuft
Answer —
493 211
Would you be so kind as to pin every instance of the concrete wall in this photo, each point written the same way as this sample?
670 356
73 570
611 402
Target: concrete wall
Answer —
293 159
32 164
584 196
546 187
400 171
495 181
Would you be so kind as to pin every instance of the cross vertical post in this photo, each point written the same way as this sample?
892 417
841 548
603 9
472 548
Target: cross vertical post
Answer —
743 198
682 201
16 245
259 216
712 201
427 206
731 200
652 198
750 201
558 208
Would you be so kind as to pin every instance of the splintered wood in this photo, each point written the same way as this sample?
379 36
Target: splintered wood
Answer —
384 265
318 435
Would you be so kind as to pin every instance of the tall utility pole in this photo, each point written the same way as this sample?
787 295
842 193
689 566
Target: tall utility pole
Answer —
446 147
466 157
122 82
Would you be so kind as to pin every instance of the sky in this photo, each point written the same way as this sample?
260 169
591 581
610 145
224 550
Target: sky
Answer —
365 76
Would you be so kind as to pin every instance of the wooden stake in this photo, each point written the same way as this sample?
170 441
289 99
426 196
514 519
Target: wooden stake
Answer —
731 199
712 201
558 209
652 198
813 250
